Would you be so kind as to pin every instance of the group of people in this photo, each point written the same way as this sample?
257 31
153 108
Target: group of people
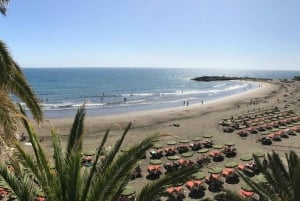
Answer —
187 103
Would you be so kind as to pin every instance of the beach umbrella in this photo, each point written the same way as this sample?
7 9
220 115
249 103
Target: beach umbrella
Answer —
204 150
218 146
207 136
187 154
229 143
173 158
89 153
275 129
215 170
171 142
260 178
264 133
155 140
196 139
128 191
231 164
246 187
157 145
155 162
199 175
242 126
184 141
259 154
124 149
246 157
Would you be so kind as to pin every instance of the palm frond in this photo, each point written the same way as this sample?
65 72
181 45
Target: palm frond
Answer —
110 157
8 116
3 6
21 88
112 177
75 137
20 186
60 164
93 170
73 176
13 80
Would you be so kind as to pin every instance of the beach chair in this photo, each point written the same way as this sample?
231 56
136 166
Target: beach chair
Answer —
203 160
87 161
252 130
230 175
217 156
196 146
170 167
170 151
274 137
154 171
40 198
3 192
182 148
214 182
195 185
137 172
184 163
229 151
246 169
264 141
242 133
156 154
207 143
246 194
177 193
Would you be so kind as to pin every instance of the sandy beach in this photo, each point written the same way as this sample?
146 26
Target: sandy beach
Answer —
193 121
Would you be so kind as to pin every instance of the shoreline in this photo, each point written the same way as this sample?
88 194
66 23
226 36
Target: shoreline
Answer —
240 97
157 120
150 101
195 121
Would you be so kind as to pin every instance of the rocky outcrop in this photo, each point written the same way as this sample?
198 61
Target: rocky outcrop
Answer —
225 78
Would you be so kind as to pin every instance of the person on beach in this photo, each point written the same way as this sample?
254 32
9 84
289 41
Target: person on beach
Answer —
187 103
183 103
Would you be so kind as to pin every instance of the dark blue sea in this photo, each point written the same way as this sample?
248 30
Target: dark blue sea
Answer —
119 90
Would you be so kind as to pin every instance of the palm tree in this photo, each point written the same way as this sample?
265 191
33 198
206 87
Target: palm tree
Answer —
13 81
68 181
3 5
282 179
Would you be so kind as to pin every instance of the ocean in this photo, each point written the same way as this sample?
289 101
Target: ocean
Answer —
120 90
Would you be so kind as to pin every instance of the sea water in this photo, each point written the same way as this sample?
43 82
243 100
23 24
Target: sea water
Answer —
119 90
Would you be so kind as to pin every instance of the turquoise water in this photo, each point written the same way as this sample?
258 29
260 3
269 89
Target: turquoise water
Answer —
119 90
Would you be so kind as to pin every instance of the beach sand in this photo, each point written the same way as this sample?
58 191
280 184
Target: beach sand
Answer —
194 121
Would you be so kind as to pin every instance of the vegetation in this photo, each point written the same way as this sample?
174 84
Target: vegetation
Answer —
282 179
13 81
66 180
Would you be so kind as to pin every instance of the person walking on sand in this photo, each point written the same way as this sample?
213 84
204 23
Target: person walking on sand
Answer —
187 103
183 103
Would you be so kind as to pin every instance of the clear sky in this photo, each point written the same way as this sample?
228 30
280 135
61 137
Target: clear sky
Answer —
243 34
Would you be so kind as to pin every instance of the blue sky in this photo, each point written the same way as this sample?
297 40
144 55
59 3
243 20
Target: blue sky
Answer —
240 34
